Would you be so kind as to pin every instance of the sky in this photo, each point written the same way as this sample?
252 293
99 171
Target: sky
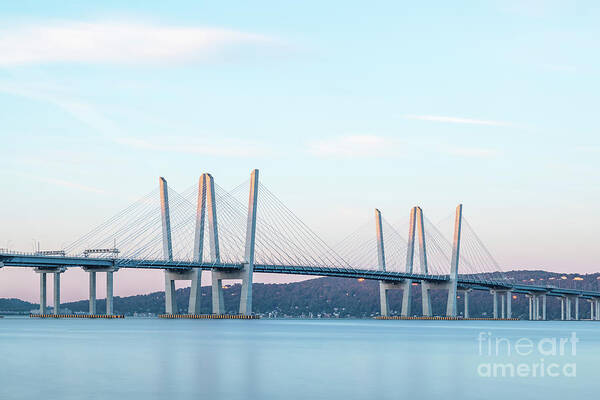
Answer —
343 106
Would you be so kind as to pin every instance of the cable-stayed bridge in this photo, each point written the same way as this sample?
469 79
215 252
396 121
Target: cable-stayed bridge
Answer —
234 235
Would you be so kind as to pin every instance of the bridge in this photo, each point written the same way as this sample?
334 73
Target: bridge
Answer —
207 228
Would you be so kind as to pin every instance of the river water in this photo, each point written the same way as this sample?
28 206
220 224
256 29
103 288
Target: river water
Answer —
297 359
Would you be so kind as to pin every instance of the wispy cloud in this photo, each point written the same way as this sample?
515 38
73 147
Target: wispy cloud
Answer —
208 146
354 146
456 120
53 181
470 152
80 110
70 185
366 146
126 43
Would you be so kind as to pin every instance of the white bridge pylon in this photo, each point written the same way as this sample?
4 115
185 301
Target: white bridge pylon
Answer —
206 209
417 221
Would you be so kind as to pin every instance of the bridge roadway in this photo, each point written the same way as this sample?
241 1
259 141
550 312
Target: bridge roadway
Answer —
46 262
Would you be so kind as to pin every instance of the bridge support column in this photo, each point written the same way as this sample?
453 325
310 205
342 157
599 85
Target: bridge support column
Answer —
109 293
536 307
509 304
195 292
466 298
92 294
544 307
170 300
576 308
568 301
597 310
562 308
57 293
43 292
503 305
426 299
406 298
384 305
218 301
592 306
495 307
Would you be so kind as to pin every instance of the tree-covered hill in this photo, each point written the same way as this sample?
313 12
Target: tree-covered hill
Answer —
332 297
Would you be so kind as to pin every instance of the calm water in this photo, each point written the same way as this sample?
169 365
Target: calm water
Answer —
286 359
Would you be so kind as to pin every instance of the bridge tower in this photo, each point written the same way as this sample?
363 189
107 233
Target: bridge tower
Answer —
206 206
406 285
205 195
410 254
383 286
246 274
425 286
452 285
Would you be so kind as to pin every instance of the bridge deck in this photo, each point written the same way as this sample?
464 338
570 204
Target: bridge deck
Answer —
23 260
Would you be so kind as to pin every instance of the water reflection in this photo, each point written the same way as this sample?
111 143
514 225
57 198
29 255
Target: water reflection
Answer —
272 359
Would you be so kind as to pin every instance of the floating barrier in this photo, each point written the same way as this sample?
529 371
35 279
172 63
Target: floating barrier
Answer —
88 316
450 318
208 316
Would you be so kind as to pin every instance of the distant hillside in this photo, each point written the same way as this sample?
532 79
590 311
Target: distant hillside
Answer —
332 297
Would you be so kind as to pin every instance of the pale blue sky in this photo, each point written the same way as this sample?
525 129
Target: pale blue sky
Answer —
344 106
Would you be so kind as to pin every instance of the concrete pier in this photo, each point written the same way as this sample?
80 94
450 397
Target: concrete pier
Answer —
466 314
509 304
57 293
170 300
109 293
43 293
544 307
195 292
495 304
92 299
218 301
406 298
384 305
426 298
